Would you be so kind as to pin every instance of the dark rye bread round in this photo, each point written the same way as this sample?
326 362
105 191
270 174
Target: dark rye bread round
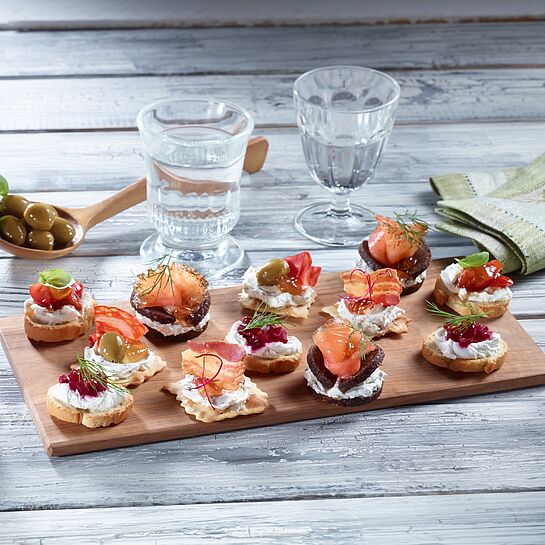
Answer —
419 263
369 364
160 315
353 402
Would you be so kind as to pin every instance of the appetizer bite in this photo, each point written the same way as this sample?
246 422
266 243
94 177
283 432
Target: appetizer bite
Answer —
88 396
343 365
474 282
398 244
172 300
214 386
284 285
370 303
268 347
118 349
59 308
463 344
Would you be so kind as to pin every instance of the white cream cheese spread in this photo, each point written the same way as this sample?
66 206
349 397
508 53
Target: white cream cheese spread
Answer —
366 389
172 329
270 350
376 321
452 350
63 315
489 295
271 295
102 402
229 399
119 372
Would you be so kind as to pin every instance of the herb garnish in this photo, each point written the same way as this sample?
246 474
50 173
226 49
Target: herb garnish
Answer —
474 260
91 371
262 318
456 321
365 340
161 274
412 226
4 187
55 277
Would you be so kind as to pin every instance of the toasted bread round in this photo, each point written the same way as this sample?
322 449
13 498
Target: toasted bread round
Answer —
481 365
443 296
298 311
352 402
265 366
86 418
60 332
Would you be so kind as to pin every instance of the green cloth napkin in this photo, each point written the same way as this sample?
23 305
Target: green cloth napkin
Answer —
502 211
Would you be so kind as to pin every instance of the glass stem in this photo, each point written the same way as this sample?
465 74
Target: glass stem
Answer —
340 206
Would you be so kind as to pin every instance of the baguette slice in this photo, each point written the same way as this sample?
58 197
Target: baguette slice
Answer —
298 311
486 365
282 364
90 420
60 332
443 296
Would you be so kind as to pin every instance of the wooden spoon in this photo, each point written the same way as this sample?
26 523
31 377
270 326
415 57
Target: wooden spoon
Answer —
84 218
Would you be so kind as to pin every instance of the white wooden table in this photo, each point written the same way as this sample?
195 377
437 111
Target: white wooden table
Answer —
465 471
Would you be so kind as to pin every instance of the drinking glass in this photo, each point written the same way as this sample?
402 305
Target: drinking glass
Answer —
194 152
344 114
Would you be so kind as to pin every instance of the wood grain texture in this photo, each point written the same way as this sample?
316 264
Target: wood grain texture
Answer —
156 418
477 519
112 103
262 50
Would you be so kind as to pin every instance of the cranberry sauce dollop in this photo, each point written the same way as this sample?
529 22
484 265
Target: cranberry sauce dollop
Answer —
76 383
475 333
257 338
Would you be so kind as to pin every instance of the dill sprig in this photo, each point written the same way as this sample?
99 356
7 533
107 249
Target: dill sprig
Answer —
454 320
410 224
91 371
161 274
365 340
262 318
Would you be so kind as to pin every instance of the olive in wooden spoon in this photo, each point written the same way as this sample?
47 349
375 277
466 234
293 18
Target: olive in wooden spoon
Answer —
41 226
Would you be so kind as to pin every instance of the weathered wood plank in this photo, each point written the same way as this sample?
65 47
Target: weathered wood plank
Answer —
458 519
187 13
112 103
261 50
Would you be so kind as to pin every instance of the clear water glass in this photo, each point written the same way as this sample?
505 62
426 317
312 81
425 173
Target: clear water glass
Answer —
194 151
345 115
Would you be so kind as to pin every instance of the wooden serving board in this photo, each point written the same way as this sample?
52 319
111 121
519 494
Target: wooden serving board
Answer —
157 416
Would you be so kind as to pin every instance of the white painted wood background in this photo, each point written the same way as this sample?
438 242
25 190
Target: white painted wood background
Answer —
464 471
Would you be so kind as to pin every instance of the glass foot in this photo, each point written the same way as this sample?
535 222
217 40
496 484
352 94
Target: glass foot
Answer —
319 223
210 262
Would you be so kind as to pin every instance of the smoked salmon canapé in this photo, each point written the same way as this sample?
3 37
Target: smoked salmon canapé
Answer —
172 300
474 283
398 244
285 286
370 303
343 365
214 386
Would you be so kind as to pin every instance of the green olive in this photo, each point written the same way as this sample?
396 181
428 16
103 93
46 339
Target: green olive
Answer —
135 352
111 347
14 205
40 240
63 231
13 230
40 216
272 272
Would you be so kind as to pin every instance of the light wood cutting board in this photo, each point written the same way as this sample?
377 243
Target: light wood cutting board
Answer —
157 416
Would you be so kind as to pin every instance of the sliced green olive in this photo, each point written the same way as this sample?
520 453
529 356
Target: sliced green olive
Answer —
272 272
63 231
135 352
111 347
12 230
40 216
14 205
40 240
